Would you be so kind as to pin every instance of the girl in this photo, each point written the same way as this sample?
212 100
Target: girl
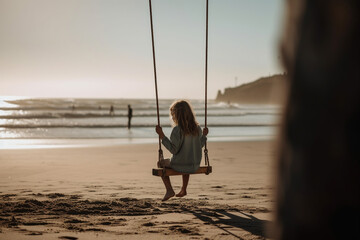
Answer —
185 143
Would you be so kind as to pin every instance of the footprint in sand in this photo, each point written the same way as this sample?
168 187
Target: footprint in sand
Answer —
34 234
148 224
230 193
182 229
105 223
75 221
68 237
246 196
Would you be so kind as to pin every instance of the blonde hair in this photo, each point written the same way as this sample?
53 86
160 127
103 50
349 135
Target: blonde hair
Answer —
183 116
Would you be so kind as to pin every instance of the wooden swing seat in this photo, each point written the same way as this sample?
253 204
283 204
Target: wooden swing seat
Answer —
160 172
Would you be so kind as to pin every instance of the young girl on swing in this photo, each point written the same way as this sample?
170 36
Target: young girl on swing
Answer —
185 143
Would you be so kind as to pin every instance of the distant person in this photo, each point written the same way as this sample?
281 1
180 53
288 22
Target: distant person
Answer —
111 110
185 143
129 116
73 107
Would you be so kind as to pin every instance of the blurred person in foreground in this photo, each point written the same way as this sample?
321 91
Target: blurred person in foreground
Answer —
318 160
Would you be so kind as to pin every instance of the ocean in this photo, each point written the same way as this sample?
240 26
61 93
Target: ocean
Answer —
54 120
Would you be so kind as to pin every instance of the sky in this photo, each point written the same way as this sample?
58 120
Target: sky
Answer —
102 48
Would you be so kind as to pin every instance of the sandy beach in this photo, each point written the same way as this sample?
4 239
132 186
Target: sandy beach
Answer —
108 192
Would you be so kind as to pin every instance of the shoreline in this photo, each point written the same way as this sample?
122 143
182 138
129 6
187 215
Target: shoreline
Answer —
36 143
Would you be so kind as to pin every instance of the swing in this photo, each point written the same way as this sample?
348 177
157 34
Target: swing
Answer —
162 172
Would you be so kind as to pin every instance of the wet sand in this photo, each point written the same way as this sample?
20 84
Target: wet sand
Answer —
108 192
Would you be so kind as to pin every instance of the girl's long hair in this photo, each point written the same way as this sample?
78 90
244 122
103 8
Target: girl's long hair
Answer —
183 116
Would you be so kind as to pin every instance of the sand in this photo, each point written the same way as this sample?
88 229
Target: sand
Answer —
109 193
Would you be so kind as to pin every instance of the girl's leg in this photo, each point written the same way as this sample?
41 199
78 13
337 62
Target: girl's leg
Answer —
185 178
169 190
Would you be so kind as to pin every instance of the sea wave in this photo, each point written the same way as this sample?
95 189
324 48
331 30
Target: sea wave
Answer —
100 115
119 125
91 118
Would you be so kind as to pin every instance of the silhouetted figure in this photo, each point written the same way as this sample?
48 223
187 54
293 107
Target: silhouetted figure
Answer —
129 116
318 180
111 110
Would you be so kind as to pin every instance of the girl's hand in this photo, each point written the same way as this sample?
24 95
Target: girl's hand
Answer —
205 131
159 131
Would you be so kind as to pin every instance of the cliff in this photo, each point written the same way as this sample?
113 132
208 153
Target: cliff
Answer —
265 90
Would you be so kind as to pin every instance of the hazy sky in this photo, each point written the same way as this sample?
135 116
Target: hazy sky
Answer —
102 48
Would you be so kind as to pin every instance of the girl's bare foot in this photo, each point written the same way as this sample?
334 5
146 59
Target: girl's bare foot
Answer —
182 193
168 195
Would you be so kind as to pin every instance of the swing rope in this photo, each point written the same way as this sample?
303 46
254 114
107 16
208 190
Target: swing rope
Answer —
206 156
161 156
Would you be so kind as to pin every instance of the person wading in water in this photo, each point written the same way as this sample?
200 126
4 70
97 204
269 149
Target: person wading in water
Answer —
129 116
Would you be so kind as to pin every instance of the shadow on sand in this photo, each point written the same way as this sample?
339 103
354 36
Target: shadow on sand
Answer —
223 219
